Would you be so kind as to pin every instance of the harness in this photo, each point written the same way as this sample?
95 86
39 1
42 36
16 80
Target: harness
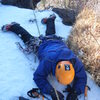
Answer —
34 43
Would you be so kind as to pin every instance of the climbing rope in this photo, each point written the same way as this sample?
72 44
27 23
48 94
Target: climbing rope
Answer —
56 93
36 20
54 88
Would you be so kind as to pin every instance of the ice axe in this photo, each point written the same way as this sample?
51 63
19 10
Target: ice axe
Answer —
36 93
86 92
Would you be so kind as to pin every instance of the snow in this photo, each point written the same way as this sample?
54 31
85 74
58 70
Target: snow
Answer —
16 68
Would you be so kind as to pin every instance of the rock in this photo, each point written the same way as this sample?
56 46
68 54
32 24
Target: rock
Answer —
35 2
9 2
31 4
67 15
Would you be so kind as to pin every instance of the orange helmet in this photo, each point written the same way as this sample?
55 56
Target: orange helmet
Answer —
65 72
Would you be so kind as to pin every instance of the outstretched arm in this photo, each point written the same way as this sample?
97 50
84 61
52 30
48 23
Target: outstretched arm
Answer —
80 79
40 76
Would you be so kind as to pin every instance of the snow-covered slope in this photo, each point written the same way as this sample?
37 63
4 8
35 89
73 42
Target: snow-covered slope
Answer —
16 69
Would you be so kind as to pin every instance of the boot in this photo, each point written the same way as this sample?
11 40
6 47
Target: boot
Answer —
7 27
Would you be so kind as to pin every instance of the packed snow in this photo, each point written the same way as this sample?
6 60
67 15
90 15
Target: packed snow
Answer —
17 68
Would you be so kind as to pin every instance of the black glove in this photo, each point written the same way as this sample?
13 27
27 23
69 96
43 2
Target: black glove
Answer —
54 96
72 96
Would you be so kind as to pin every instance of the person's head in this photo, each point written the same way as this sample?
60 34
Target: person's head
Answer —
64 72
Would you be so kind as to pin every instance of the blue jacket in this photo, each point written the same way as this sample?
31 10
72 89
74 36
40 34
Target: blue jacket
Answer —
50 52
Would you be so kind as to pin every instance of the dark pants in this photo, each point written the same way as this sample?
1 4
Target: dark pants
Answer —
25 36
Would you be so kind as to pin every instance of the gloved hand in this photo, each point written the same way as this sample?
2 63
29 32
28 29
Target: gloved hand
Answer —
72 96
54 96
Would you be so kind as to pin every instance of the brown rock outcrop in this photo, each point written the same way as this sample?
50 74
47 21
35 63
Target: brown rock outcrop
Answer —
85 38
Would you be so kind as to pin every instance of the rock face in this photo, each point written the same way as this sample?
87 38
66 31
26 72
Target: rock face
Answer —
21 3
67 15
66 9
85 38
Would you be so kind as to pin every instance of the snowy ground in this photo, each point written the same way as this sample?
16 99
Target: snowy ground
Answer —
16 70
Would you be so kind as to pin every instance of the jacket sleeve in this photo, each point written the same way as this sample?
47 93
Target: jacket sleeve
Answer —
80 79
40 76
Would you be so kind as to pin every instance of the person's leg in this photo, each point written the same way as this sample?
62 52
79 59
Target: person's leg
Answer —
20 31
50 24
50 30
32 42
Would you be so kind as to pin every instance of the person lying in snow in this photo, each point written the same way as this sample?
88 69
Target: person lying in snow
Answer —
54 57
